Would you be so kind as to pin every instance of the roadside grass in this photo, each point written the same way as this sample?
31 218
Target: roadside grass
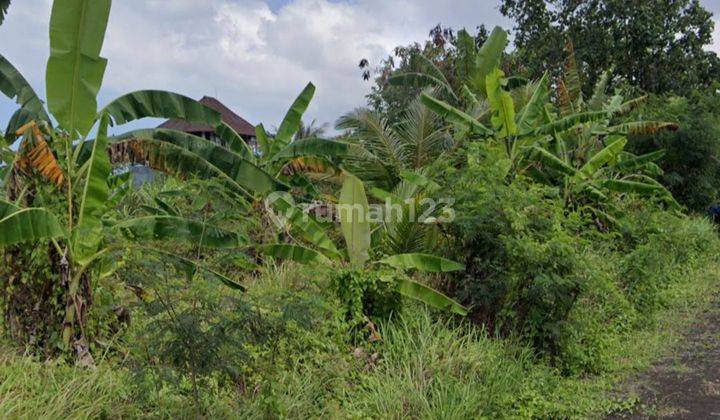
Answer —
425 366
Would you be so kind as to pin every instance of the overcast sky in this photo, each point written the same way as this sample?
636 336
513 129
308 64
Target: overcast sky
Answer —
253 55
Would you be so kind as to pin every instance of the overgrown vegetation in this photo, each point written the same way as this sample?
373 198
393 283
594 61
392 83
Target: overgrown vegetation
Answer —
479 244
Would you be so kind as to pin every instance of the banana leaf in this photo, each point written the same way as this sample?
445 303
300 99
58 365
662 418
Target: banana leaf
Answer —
322 148
160 104
429 296
291 123
532 113
501 103
233 166
295 253
566 123
167 227
488 58
353 213
14 86
604 156
262 139
638 128
26 224
88 231
235 142
306 226
553 161
422 262
75 69
455 116
636 162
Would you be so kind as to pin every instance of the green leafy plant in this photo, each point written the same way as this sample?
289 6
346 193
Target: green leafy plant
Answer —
356 229
80 169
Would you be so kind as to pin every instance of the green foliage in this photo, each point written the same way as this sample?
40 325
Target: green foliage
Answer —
367 294
690 170
656 46
75 69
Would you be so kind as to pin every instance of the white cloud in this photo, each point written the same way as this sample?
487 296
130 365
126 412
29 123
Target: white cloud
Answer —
254 57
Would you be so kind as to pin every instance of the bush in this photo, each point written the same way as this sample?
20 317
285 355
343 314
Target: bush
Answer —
366 294
691 165
524 264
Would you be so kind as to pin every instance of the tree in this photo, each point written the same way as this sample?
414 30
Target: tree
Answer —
59 184
656 45
355 221
441 51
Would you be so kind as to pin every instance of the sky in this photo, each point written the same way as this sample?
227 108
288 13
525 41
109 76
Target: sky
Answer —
253 55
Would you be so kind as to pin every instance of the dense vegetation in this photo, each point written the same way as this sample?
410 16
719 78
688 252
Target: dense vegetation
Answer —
475 244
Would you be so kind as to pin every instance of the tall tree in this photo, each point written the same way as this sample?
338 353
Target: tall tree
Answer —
440 49
657 45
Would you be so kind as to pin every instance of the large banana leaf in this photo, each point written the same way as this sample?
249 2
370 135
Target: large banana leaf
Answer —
455 116
308 228
501 103
553 161
88 231
167 227
432 70
422 262
636 162
638 128
353 211
14 86
566 123
533 112
235 167
262 139
291 123
7 208
322 148
295 253
623 186
170 159
160 104
425 294
604 156
75 69
488 58
235 142
28 224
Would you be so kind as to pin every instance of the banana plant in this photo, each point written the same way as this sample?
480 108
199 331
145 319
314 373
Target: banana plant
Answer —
249 175
355 223
472 66
79 168
608 171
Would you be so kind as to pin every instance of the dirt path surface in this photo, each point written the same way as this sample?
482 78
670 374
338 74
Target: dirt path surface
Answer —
687 383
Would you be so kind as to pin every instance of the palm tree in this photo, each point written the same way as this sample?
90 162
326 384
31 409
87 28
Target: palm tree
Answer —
411 144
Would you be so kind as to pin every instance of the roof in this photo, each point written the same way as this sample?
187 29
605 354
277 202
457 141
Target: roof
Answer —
230 118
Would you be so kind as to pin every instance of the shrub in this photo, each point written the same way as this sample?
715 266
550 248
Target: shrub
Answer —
366 294
691 165
524 265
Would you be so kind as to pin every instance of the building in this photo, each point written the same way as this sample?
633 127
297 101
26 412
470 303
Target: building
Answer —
143 174
237 123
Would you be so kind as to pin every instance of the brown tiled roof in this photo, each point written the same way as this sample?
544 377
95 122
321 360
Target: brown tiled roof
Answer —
230 118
